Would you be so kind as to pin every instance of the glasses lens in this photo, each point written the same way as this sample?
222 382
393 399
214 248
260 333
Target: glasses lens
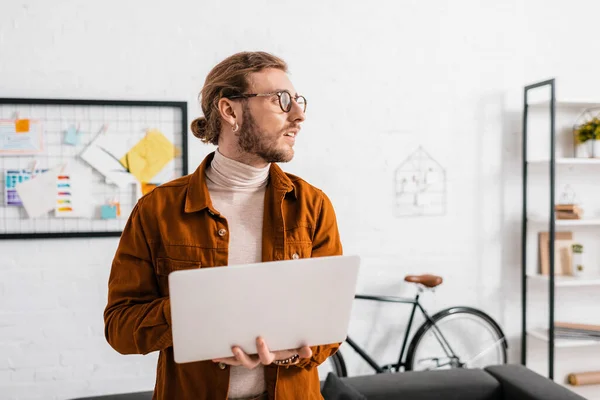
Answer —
301 102
286 101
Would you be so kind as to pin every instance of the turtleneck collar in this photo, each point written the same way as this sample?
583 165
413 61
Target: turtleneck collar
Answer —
233 174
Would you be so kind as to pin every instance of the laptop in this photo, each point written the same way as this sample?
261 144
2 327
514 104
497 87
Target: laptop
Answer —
289 303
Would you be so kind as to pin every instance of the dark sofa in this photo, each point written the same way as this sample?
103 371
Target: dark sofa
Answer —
502 382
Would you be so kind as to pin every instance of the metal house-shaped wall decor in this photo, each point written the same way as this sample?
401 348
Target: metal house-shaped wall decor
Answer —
419 186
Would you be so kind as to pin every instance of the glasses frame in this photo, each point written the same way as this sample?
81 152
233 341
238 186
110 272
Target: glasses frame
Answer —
278 93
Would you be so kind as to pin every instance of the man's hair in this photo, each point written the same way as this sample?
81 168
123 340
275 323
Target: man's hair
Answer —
228 78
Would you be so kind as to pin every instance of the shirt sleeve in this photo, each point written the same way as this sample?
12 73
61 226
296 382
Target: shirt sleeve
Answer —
137 319
326 242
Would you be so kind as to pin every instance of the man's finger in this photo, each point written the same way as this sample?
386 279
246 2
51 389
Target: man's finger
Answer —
245 359
227 360
264 354
305 352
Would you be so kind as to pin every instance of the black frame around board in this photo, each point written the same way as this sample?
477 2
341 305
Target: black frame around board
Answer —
181 105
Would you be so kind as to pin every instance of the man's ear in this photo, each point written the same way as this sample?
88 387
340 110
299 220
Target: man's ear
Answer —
227 110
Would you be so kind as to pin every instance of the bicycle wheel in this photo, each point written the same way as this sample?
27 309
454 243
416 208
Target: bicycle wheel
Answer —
334 364
474 338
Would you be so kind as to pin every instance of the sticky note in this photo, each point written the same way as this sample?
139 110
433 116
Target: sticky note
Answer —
71 136
108 212
22 126
149 156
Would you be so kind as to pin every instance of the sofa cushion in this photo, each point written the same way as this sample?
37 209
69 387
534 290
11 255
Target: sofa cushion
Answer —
519 382
455 384
334 389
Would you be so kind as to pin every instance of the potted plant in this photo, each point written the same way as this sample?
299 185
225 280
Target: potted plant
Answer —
587 134
577 259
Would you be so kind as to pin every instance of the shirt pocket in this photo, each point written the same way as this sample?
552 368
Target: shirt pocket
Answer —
298 243
164 266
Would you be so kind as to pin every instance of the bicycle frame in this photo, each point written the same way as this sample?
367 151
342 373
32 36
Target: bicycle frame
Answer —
416 305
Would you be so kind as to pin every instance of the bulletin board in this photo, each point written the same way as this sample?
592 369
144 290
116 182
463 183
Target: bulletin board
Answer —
76 168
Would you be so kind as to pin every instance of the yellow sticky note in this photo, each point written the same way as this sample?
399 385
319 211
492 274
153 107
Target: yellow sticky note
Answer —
149 156
22 126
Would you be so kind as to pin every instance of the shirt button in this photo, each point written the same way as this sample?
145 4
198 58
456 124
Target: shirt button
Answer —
222 232
295 256
222 366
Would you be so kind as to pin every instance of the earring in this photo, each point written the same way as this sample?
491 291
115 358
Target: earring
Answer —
236 127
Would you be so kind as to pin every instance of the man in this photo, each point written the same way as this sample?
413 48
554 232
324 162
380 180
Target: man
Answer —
238 207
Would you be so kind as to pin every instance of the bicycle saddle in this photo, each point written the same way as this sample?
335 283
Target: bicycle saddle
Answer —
430 281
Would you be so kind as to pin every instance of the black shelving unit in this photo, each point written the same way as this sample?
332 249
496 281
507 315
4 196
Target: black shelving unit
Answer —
552 226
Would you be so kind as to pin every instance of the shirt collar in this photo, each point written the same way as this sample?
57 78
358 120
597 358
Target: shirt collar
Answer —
198 197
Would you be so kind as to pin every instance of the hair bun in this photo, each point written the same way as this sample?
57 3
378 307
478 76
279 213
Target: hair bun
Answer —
198 127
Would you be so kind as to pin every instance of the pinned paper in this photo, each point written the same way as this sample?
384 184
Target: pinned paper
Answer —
108 211
111 210
71 196
21 137
149 156
38 194
106 163
22 126
72 136
12 177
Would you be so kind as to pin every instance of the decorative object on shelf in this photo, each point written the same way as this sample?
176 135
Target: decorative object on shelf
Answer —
420 186
563 253
578 269
567 207
586 134
584 378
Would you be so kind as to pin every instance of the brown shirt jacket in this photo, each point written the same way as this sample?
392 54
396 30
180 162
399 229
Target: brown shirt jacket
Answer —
176 227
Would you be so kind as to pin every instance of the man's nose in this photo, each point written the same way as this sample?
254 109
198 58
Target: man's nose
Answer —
297 112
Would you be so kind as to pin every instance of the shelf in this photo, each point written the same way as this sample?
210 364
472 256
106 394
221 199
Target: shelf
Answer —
567 103
563 281
566 222
542 335
569 161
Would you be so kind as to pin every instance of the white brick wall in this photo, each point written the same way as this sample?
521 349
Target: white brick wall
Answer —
381 79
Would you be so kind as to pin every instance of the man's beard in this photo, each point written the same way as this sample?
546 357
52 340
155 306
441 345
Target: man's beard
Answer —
252 141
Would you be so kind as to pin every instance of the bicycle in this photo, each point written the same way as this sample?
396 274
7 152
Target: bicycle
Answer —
440 342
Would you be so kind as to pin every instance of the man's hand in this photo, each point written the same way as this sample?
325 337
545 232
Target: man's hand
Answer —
264 356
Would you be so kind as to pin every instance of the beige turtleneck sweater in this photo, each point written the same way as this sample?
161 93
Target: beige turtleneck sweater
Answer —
237 192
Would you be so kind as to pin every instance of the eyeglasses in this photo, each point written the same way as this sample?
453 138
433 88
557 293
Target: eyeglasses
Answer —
285 99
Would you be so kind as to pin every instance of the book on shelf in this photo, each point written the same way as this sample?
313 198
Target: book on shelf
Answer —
572 325
570 330
563 253
568 211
